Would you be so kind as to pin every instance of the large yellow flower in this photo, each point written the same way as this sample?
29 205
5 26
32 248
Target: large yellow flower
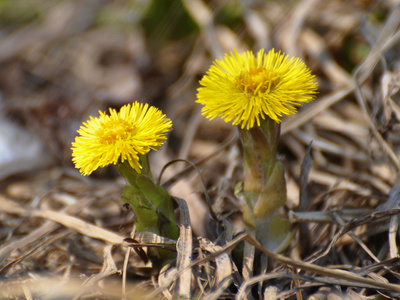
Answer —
245 88
123 135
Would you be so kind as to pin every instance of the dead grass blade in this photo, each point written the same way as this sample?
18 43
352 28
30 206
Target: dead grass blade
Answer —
68 221
184 253
223 273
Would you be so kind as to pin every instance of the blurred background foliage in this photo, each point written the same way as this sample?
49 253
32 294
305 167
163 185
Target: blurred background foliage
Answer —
61 61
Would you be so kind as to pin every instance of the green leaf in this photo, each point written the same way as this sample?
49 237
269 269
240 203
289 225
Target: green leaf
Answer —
145 210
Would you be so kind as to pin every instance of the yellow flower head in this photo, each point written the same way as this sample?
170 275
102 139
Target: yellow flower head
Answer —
245 88
123 135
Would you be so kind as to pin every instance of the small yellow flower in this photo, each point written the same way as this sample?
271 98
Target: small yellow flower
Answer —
123 135
245 88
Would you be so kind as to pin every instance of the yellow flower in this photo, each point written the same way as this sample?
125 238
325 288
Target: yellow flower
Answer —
123 135
245 88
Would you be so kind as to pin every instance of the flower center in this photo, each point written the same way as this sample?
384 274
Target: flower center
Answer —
257 80
117 130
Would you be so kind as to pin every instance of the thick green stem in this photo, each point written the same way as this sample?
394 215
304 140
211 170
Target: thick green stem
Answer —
264 185
130 174
151 203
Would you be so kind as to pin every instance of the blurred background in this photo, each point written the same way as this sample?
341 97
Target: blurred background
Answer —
63 61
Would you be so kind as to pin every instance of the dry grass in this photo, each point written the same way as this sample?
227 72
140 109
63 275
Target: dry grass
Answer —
64 236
